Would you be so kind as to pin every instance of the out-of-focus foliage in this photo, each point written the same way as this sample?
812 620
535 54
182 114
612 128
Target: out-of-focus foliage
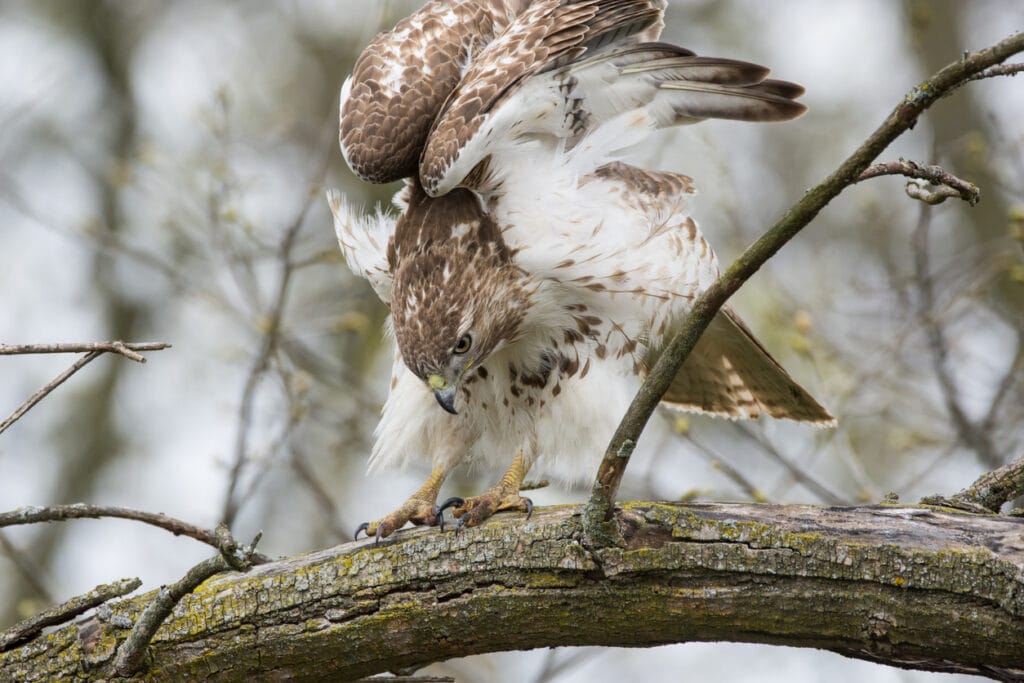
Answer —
153 156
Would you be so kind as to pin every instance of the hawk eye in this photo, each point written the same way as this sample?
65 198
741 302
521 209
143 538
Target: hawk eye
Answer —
462 346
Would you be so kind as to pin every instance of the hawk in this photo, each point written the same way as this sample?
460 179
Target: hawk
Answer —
532 276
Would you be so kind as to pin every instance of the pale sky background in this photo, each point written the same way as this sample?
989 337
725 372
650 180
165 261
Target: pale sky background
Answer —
229 101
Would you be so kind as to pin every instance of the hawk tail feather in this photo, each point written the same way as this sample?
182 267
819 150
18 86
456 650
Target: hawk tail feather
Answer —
730 374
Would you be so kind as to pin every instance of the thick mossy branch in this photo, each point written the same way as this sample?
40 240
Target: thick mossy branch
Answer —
909 586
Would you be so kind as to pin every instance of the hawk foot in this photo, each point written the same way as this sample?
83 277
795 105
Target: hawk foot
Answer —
473 511
420 509
419 512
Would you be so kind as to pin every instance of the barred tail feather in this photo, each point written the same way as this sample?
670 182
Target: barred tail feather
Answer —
730 374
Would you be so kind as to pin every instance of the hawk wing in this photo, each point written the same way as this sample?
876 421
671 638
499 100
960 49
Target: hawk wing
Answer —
485 108
562 70
403 77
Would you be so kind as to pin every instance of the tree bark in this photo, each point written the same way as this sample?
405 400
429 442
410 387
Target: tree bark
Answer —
915 587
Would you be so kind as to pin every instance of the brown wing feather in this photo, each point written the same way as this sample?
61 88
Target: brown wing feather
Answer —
729 373
549 33
402 78
654 184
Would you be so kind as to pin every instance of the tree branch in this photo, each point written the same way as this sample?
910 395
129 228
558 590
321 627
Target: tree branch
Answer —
33 626
271 323
907 586
601 531
951 186
126 349
93 351
989 492
131 655
59 513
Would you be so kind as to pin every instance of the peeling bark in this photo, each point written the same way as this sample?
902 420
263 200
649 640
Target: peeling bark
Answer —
916 587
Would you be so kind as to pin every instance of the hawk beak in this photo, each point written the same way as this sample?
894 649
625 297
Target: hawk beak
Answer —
444 392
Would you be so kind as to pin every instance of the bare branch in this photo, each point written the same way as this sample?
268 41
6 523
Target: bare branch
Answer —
268 347
60 513
53 384
338 529
33 626
132 652
950 185
722 465
916 190
600 529
95 350
989 491
971 434
126 349
823 492
999 70
131 655
1009 380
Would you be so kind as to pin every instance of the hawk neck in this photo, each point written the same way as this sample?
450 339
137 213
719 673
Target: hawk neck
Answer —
455 220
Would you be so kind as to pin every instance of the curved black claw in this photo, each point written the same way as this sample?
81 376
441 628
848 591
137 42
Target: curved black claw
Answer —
362 527
529 507
452 502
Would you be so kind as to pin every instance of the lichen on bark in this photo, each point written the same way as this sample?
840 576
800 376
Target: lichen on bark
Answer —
910 586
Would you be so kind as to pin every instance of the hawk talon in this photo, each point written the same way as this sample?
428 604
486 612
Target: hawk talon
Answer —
452 502
362 527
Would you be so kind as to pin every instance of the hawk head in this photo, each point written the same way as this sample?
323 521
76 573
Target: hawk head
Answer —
457 296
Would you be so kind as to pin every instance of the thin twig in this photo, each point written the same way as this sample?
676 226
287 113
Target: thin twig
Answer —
704 451
819 489
339 529
597 518
555 666
999 70
126 349
950 185
971 434
916 189
33 626
60 513
267 350
53 384
1009 380
132 652
95 350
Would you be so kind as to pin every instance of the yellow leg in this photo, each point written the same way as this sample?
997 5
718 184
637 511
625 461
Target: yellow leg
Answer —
503 496
420 509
